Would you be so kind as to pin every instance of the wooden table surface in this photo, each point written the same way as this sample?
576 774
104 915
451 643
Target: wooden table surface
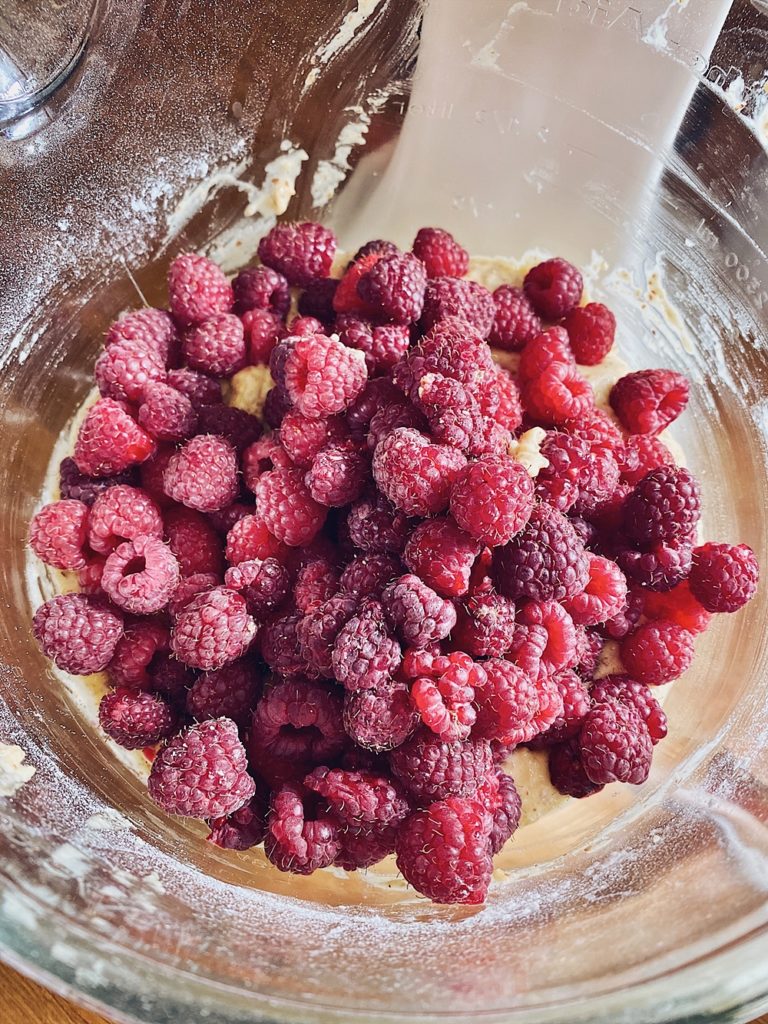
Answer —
27 1003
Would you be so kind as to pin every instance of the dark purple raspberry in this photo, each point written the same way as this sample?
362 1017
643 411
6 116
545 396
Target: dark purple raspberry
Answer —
317 300
77 633
316 583
134 719
244 828
263 583
380 719
280 647
665 505
455 297
420 616
506 816
376 394
382 344
546 561
228 692
338 475
376 526
300 252
239 427
566 771
300 722
367 575
318 630
453 415
515 321
628 691
453 348
615 745
661 568
359 799
724 576
198 388
432 769
261 288
77 486
394 287
376 245
599 480
301 835
365 655
391 416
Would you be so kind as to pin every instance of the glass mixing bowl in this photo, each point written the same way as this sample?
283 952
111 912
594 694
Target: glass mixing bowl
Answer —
630 138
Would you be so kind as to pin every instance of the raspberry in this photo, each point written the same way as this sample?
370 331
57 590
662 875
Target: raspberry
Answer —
362 847
553 288
624 621
58 532
492 499
560 651
576 704
657 652
287 508
624 690
262 331
598 482
169 677
318 630
454 297
414 474
507 703
301 835
598 430
263 455
217 346
189 587
317 300
442 555
647 401
381 344
364 654
453 414
380 719
394 287
195 544
509 412
141 642
280 647
376 526
376 245
558 483
239 427
377 393
297 721
430 768
77 486
444 852
122 513
367 575
202 772
141 575
261 288
615 745
276 405
389 418
440 253
604 595
242 829
198 388
420 616
124 369
506 816
452 348
228 692
264 584
250 539
559 394
303 326
338 475
153 329
134 719
566 771
110 440
303 437
151 475
679 606
322 376
665 505
486 624
197 290
166 414
551 346
347 299
546 561
724 576
212 630
203 474
515 322
639 455
223 519
660 568
359 799
315 584
444 698
78 634
591 332
300 252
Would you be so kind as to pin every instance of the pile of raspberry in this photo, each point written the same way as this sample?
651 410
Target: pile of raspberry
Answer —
328 625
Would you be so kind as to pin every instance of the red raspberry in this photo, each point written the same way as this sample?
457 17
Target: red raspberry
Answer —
315 584
153 329
217 346
660 568
166 414
338 475
420 616
78 634
665 505
486 624
141 642
591 332
250 539
264 584
509 412
77 486
364 654
647 401
151 475
302 437
440 253
444 698
377 393
244 828
202 772
359 799
625 621
430 768
300 252
263 455
558 483
391 417
598 482
507 703
58 533
679 606
318 630
383 345
657 652
453 415
297 721
576 704
262 331
624 690
212 630
322 376
303 326
367 575
281 650
492 499
203 474
228 692
598 430
468 301
346 298
442 555
110 440
559 394
560 651
89 577
615 745
317 300
546 561
393 288
194 542
239 427
363 847
452 348
122 513
134 719
198 388
380 719
189 587
724 576
301 835
515 322
506 815
261 288
197 290
444 852
287 508
566 771
551 346
376 526
141 575
553 288
124 369
640 454
414 474
604 595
